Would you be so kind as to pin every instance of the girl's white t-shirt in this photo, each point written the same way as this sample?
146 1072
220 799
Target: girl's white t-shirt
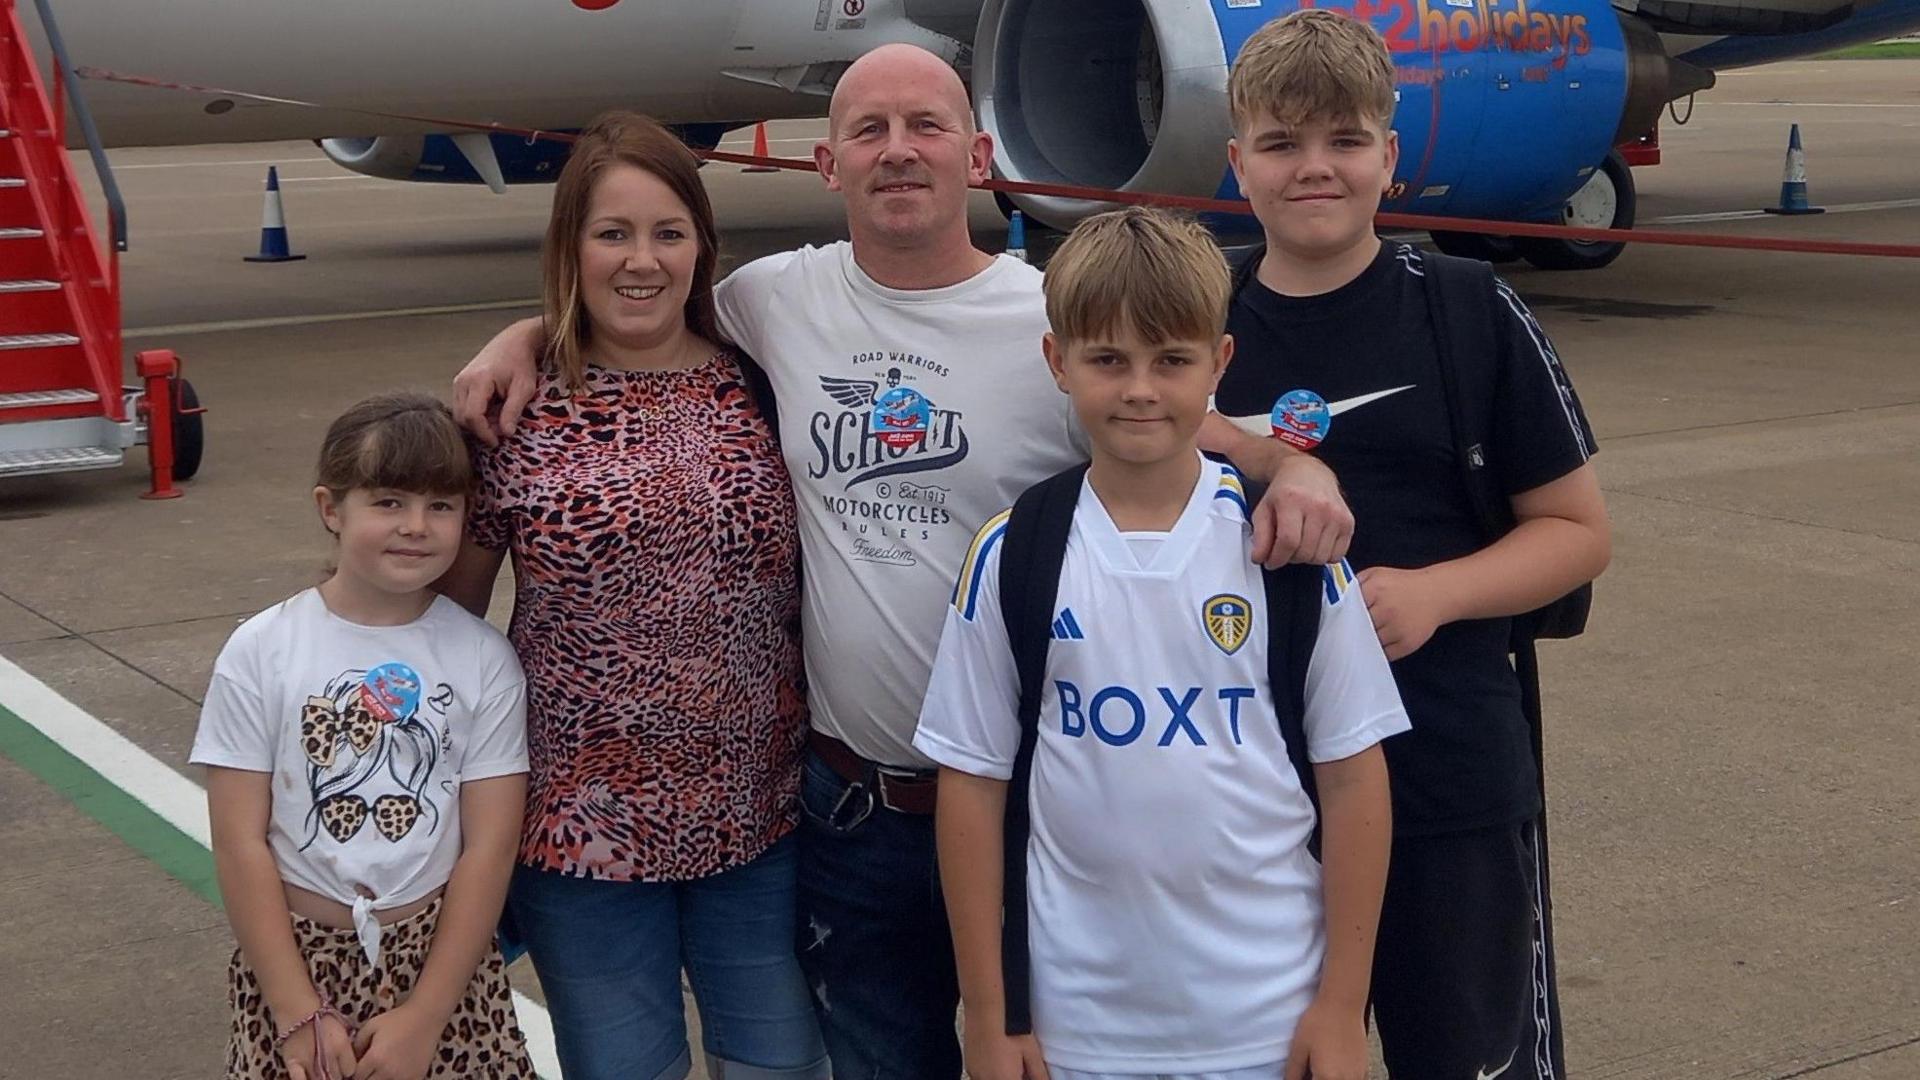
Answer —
369 731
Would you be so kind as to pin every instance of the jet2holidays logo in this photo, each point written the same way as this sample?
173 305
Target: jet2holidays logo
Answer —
887 434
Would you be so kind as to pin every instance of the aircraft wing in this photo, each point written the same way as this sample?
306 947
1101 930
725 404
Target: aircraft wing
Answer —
1721 34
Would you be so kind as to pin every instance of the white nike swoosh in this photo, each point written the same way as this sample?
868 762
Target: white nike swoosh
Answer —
1262 424
1485 1075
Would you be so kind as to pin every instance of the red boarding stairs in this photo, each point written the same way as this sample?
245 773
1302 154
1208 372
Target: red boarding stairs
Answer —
63 406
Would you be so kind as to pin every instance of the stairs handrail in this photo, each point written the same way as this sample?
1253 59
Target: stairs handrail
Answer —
65 74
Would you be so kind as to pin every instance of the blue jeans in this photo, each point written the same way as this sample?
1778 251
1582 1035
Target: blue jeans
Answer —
874 939
609 956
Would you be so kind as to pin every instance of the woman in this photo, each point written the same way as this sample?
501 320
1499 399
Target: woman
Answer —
654 546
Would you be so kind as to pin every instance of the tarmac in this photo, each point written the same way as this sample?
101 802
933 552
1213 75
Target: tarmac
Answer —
1733 747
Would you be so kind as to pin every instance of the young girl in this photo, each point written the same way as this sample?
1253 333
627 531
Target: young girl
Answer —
366 751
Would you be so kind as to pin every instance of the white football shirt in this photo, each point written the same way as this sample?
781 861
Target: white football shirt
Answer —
1176 915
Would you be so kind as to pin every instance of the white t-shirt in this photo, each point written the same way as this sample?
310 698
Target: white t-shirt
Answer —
1175 913
907 418
369 731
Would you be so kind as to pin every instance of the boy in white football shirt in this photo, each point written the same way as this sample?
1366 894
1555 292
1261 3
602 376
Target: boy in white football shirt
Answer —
1177 922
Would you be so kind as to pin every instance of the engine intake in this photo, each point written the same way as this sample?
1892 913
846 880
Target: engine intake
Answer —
1505 106
1123 95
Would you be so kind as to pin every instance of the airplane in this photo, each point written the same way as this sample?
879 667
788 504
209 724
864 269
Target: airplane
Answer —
1508 109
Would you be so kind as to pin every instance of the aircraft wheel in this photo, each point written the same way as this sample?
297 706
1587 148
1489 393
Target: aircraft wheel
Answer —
1604 202
1466 245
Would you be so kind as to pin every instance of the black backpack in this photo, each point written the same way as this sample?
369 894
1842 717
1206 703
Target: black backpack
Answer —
1465 288
1031 555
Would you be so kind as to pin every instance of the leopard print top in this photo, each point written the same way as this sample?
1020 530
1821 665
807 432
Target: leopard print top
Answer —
656 612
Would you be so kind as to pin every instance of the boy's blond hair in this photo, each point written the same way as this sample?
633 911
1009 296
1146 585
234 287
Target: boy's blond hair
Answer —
1312 65
1160 274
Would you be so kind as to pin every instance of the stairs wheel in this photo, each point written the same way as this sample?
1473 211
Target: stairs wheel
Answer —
189 433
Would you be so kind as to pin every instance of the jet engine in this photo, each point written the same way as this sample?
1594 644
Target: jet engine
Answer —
1506 108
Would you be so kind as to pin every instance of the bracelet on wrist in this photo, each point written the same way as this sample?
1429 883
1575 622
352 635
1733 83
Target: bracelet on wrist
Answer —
326 1009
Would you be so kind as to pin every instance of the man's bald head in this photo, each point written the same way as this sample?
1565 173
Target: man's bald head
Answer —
901 149
894 67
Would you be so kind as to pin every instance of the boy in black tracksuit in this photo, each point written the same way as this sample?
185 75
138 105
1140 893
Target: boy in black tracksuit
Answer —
1340 356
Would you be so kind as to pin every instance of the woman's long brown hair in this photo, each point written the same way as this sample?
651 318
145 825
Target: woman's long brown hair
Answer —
618 138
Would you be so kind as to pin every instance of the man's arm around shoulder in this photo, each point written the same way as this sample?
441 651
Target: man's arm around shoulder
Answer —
1301 518
503 371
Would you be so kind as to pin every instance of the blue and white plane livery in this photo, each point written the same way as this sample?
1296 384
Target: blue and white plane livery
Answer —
1509 109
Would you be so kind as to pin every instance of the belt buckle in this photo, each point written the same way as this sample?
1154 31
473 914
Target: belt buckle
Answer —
885 773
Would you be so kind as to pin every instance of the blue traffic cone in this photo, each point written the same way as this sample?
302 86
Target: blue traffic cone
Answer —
1793 181
1017 236
273 225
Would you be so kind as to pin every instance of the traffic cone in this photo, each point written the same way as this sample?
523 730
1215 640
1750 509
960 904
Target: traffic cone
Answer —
760 149
1793 181
273 226
1017 236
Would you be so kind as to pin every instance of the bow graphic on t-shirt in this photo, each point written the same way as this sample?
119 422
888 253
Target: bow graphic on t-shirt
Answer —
369 728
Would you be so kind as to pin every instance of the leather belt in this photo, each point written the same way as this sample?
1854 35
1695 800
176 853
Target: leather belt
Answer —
905 791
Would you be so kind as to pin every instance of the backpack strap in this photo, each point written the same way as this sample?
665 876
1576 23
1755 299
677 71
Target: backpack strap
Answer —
1293 626
1468 286
1246 265
1460 304
1031 555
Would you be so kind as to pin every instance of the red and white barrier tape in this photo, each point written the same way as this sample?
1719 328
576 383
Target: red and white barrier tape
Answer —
1180 202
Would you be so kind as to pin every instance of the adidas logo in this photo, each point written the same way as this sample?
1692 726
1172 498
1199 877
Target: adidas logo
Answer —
1067 628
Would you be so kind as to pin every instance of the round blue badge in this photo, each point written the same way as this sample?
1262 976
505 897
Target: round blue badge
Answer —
391 692
1300 418
901 417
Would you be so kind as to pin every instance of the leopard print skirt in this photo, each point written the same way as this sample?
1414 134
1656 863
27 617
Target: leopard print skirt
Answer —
481 1040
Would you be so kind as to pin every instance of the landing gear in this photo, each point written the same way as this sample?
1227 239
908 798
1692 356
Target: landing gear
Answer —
1466 245
1605 202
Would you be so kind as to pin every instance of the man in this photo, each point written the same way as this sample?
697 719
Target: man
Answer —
914 403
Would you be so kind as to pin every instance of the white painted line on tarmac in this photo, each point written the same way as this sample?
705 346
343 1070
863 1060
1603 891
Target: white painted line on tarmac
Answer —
213 164
1741 215
179 800
331 317
1775 70
330 179
106 751
1817 104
